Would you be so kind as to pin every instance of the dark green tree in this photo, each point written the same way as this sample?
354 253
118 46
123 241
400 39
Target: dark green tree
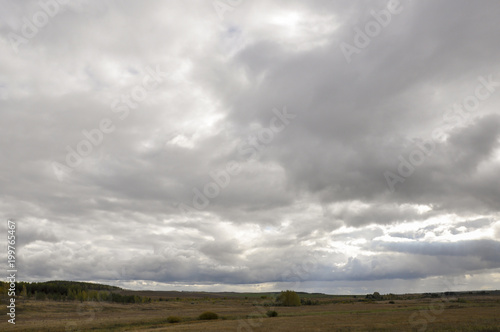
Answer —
288 298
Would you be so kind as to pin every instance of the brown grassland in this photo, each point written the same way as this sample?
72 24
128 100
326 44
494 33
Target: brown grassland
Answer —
237 313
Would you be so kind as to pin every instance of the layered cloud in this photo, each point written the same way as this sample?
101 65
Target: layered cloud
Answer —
185 145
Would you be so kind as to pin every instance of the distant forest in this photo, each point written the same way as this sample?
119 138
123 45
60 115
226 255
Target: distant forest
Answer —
71 291
85 291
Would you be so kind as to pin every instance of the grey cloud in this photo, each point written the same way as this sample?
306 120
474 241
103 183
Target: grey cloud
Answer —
486 250
473 145
318 183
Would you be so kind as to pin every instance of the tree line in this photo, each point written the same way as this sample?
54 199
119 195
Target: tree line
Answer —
71 291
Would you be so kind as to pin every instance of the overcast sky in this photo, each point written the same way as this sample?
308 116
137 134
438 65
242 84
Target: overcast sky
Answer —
330 146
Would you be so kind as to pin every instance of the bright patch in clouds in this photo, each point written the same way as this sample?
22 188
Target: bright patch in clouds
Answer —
308 193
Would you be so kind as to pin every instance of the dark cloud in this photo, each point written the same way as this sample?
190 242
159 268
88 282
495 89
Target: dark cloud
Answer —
204 179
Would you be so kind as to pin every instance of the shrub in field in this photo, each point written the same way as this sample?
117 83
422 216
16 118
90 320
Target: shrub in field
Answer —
173 319
271 313
288 298
391 302
375 296
207 315
313 302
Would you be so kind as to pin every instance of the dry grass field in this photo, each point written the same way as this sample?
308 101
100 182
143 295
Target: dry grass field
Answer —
472 313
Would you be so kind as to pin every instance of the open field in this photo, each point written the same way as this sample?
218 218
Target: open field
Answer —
237 313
